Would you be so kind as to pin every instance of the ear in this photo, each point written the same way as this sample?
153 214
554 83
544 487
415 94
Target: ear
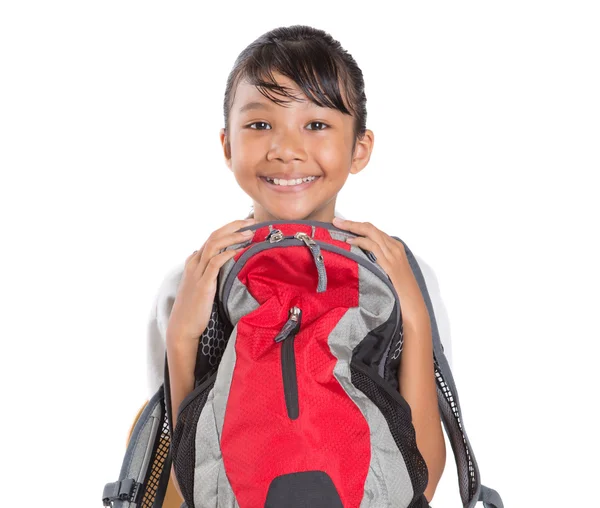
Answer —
362 152
226 147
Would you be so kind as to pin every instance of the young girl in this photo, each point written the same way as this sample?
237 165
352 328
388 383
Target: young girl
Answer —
295 128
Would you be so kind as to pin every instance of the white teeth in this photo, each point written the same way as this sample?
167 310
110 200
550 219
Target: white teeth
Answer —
296 181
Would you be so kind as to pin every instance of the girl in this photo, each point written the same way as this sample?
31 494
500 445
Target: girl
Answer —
295 128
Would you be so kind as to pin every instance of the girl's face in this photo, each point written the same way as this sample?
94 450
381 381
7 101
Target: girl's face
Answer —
291 141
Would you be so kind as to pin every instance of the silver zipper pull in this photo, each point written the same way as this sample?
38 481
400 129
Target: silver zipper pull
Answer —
291 326
315 249
276 235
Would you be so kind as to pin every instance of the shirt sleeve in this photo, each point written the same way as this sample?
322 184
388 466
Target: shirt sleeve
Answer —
439 309
158 319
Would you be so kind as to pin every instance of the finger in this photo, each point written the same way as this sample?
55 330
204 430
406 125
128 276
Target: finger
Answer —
189 258
232 227
394 246
360 228
217 245
225 231
214 246
216 263
390 245
191 262
368 230
368 244
228 229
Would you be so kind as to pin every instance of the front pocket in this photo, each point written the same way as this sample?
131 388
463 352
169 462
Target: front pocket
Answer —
397 413
184 436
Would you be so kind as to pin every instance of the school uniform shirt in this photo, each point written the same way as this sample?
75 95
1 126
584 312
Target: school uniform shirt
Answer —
165 298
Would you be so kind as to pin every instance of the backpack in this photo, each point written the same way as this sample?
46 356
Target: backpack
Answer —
296 399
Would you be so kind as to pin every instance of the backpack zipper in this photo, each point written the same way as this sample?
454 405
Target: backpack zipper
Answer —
315 249
276 235
259 246
288 361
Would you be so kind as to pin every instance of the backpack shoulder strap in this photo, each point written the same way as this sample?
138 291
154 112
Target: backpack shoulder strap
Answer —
146 467
471 489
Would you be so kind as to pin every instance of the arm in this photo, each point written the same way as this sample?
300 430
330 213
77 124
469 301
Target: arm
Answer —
416 373
181 355
418 387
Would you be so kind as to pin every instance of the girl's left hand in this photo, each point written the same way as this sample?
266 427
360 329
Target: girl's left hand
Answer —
391 257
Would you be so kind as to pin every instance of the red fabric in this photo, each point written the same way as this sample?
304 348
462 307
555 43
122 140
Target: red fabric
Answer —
259 441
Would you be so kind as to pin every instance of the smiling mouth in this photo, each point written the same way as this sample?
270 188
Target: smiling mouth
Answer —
290 182
288 186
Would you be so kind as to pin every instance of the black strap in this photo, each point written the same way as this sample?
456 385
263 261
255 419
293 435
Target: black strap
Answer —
123 490
167 395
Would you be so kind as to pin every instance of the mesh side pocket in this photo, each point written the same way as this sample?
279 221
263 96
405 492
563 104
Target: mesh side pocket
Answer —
398 415
157 476
184 438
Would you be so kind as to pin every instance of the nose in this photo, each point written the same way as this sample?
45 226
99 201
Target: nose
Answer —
287 145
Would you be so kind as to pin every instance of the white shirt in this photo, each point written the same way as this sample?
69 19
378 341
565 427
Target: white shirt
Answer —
161 310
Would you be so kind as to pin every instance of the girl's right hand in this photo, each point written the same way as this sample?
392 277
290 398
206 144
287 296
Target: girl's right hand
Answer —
196 292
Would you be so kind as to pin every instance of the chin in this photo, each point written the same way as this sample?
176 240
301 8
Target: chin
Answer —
290 215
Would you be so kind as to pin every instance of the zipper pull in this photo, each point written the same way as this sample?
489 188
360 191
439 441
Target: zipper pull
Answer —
291 326
275 235
315 249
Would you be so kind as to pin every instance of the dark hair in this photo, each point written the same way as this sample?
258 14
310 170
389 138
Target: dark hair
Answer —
315 61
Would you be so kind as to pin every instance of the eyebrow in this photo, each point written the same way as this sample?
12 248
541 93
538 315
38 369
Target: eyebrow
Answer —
263 105
254 105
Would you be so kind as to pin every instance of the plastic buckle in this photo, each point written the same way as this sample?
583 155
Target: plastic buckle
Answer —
123 490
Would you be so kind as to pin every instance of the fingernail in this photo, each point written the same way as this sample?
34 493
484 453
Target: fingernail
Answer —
250 220
337 220
248 232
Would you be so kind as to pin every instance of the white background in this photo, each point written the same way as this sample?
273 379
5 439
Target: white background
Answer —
486 157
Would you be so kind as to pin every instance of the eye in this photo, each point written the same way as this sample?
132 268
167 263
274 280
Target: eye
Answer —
256 123
319 123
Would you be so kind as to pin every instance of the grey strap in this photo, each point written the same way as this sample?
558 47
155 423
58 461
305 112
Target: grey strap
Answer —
490 498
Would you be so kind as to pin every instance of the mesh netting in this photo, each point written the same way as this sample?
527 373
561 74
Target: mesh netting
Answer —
401 428
420 502
158 465
184 441
211 345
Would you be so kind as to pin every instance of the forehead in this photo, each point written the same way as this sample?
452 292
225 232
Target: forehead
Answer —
249 98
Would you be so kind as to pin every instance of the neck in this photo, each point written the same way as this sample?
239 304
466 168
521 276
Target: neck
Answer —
325 214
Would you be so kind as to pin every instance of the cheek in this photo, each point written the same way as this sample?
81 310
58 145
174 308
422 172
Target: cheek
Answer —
247 181
246 146
242 153
331 153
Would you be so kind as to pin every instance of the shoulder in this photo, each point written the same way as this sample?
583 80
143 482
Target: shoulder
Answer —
438 307
428 274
